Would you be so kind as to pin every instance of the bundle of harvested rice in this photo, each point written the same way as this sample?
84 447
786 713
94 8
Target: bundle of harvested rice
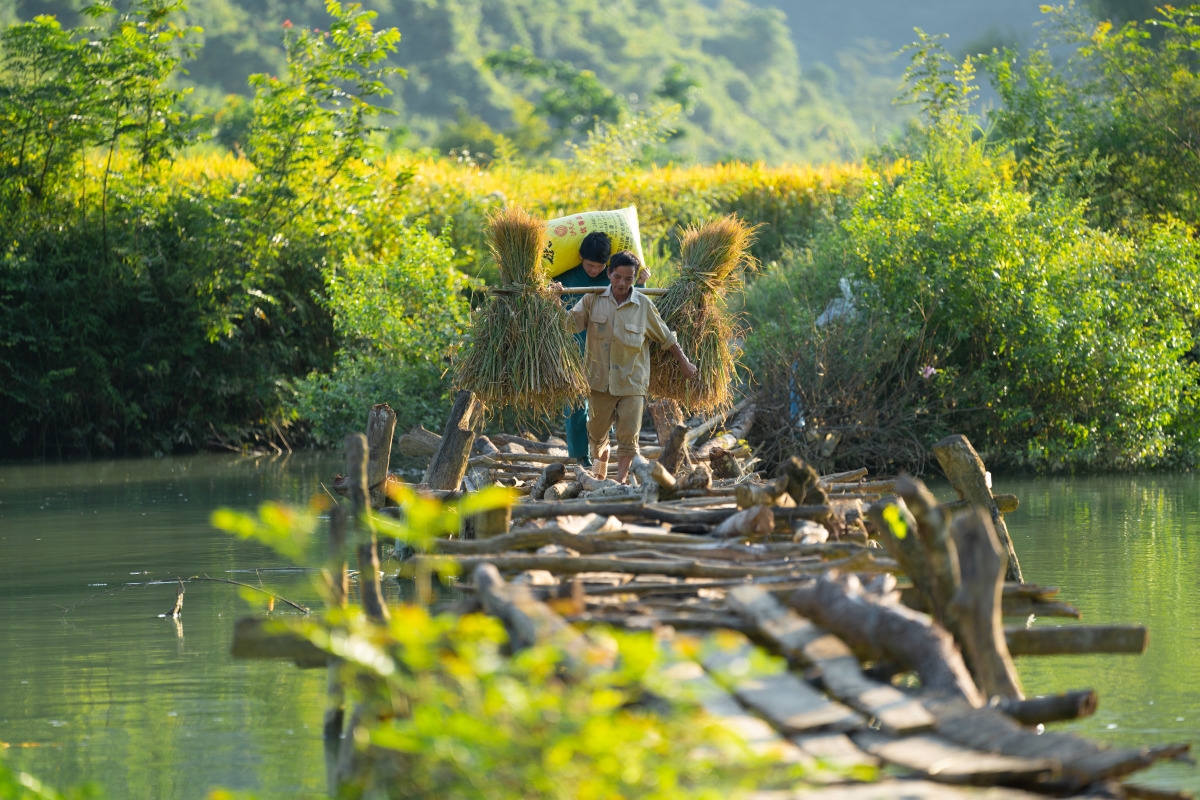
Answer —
713 257
522 352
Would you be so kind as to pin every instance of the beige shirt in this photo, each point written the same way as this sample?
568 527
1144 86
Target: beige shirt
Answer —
618 355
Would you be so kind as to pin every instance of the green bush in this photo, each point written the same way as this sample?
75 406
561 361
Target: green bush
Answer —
397 315
981 310
142 310
1116 124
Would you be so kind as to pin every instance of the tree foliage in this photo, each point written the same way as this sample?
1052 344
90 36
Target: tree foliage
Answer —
144 310
1118 125
982 308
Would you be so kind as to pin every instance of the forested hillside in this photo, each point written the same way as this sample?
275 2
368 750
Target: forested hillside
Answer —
745 91
776 80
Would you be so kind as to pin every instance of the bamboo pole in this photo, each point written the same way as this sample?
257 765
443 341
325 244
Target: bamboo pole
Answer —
649 292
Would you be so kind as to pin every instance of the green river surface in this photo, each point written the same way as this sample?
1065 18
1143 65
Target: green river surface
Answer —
106 691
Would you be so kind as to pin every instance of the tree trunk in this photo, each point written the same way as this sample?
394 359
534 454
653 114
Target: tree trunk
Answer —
1052 708
418 443
666 415
977 607
675 451
680 567
717 419
941 556
381 427
755 521
635 510
449 463
737 431
966 473
530 445
526 620
339 591
898 532
552 474
840 605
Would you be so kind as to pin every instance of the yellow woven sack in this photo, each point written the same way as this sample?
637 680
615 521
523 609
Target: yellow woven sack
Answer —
565 234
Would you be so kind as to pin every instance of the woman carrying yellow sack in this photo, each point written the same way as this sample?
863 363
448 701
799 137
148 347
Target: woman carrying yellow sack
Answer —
618 323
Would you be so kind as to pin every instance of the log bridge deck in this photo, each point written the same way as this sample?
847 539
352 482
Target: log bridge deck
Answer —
853 580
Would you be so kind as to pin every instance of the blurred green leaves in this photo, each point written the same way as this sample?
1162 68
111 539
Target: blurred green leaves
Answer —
284 529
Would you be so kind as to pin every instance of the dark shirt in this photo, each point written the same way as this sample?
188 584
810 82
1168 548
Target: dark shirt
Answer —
577 278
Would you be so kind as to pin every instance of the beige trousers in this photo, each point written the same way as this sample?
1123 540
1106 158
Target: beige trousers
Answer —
603 410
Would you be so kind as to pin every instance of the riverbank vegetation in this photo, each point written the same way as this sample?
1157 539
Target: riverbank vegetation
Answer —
172 280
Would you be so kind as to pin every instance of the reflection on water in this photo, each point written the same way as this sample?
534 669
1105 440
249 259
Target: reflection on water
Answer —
1122 550
150 707
144 706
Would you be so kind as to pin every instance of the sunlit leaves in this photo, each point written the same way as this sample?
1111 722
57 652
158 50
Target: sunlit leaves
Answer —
284 529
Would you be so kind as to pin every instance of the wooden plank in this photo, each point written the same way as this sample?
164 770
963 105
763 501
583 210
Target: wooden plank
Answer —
1011 604
946 762
897 790
803 643
760 737
790 704
1077 639
793 706
1083 762
835 749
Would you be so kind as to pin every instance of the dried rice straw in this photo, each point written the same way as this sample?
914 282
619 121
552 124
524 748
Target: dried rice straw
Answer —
522 351
713 258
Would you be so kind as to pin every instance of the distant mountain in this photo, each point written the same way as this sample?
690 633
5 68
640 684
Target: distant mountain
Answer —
784 80
825 31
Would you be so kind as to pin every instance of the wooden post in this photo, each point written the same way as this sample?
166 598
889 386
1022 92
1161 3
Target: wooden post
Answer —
449 463
552 474
898 533
964 468
336 567
339 590
940 554
487 524
368 553
666 415
977 606
675 450
381 427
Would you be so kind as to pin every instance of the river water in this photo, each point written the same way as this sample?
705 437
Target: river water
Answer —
104 690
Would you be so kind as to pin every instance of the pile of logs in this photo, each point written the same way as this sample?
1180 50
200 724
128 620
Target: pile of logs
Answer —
853 580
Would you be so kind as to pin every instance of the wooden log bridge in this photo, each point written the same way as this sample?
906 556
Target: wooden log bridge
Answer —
851 579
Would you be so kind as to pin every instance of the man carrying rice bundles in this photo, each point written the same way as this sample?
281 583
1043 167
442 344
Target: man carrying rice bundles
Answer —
618 324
